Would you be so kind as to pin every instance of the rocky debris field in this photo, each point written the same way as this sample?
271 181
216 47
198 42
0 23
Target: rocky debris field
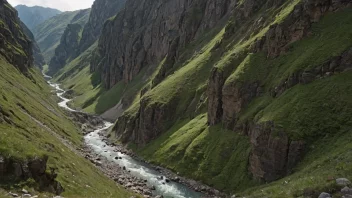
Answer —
345 192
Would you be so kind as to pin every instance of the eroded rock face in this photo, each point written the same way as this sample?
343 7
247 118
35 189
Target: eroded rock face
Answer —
37 54
146 38
215 110
235 97
148 124
146 31
14 44
273 155
101 11
36 168
297 25
67 48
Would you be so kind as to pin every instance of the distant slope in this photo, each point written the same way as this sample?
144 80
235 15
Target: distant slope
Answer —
33 16
48 34
33 154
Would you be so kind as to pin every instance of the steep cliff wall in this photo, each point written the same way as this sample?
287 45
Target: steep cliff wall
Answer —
232 93
146 31
266 52
101 11
69 42
77 39
228 100
14 44
48 34
37 54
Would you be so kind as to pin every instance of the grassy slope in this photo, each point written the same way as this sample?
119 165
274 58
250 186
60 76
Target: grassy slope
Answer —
318 111
324 112
187 83
213 155
27 138
90 95
330 37
195 150
48 33
324 115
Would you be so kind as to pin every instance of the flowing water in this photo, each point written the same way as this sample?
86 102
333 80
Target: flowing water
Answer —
137 168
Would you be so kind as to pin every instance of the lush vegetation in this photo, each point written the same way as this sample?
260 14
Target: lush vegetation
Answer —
305 114
29 102
318 112
213 155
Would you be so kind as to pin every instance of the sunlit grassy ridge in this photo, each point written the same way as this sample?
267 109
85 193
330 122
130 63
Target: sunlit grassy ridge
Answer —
26 138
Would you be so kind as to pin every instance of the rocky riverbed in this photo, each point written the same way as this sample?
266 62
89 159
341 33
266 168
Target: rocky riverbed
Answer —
168 175
124 167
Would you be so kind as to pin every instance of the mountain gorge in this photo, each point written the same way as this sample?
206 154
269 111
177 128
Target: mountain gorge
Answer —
249 97
182 76
48 34
77 38
39 141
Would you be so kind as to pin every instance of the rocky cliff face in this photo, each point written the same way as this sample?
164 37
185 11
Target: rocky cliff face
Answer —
101 11
187 22
67 48
69 43
37 54
79 36
35 168
136 39
274 154
146 31
272 157
14 44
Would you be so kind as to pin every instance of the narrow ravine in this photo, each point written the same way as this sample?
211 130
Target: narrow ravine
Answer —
163 185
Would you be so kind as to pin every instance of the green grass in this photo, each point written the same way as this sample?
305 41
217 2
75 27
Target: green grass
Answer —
26 139
317 111
329 38
314 110
213 155
183 84
90 95
48 33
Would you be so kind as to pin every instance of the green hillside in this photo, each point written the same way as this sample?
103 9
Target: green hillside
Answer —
48 33
39 142
28 105
258 105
